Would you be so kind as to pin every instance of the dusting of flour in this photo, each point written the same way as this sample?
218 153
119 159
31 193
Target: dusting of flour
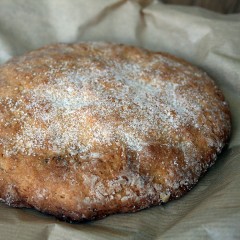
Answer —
97 99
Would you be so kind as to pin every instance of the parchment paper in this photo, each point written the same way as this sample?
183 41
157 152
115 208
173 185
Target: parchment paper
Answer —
212 41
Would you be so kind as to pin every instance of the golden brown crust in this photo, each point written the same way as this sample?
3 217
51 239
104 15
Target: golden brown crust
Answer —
92 129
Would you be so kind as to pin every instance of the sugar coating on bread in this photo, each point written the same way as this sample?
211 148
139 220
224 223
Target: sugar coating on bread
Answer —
91 129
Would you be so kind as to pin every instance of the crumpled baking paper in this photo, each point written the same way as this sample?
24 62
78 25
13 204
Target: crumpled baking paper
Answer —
209 40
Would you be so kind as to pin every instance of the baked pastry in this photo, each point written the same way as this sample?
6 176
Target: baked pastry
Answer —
92 129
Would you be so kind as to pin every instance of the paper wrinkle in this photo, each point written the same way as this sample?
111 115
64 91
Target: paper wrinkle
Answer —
99 18
112 25
220 234
210 40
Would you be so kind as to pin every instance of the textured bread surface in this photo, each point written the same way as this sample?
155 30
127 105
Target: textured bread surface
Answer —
92 129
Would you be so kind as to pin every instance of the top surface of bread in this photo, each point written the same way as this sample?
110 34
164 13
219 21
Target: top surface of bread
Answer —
96 128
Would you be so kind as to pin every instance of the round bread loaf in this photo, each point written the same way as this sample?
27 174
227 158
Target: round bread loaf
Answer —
92 129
